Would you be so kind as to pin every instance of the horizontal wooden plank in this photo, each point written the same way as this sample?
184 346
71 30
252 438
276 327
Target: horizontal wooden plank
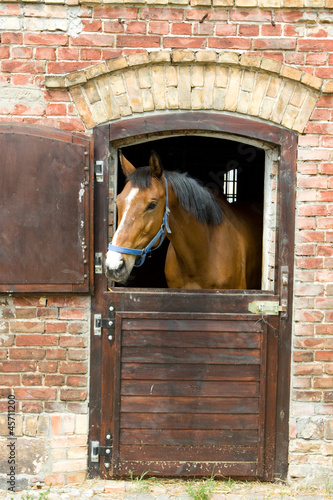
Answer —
190 355
188 421
157 404
186 388
188 301
180 324
175 437
137 371
185 469
189 453
170 338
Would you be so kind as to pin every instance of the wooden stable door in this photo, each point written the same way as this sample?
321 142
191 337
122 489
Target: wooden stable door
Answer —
193 383
193 390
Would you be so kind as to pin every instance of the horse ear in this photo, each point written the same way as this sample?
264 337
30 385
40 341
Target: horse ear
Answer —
155 164
126 165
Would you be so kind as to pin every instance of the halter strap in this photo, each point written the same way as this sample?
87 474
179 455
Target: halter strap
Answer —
142 254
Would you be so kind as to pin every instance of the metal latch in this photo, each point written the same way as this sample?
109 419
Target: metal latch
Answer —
99 167
98 263
270 307
108 323
104 451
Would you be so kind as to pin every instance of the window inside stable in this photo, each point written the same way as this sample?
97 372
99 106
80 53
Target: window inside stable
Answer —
233 169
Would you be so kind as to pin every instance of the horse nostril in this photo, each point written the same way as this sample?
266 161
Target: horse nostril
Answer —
121 265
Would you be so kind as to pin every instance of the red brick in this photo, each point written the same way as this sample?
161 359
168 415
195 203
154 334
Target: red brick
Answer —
158 27
9 380
307 395
325 251
50 312
302 357
40 394
306 223
203 29
181 29
91 54
71 124
226 30
18 366
77 354
312 182
54 380
46 53
162 14
315 45
54 109
269 30
73 394
94 40
54 479
92 25
328 397
65 66
323 383
73 313
3 353
76 477
247 30
138 41
324 276
48 366
34 340
113 26
72 367
26 353
250 15
12 38
309 315
115 12
55 327
56 421
136 27
311 210
310 262
77 381
325 222
32 407
32 379
27 326
73 341
55 354
229 43
51 39
77 327
310 343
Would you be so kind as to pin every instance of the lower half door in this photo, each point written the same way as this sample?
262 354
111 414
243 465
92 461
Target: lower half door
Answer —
194 394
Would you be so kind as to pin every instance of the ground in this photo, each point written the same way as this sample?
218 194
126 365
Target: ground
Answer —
159 489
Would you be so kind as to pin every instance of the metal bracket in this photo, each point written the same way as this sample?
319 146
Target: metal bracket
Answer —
99 170
102 451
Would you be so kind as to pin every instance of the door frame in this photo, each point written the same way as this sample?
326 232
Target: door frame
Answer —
245 128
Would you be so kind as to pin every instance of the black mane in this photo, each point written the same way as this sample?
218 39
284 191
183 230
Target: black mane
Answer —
191 194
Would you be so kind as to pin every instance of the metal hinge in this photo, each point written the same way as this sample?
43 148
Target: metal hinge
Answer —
270 307
97 451
99 171
108 324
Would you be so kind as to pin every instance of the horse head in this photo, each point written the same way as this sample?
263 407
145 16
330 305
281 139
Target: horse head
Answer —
142 218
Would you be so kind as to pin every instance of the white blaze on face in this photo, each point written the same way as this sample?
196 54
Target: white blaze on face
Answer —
113 259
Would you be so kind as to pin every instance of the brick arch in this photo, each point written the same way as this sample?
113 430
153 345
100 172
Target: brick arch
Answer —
193 80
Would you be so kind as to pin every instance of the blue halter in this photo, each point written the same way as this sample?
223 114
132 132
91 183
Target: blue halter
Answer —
142 254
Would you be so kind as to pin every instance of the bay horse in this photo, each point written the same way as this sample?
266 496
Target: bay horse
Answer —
213 244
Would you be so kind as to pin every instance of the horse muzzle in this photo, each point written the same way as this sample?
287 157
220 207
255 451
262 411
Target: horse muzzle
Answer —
117 267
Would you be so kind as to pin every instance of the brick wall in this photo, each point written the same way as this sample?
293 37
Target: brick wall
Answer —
44 360
44 342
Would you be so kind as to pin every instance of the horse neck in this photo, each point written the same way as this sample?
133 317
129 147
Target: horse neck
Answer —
189 237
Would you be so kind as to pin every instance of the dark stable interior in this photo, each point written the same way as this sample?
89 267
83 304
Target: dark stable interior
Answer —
206 159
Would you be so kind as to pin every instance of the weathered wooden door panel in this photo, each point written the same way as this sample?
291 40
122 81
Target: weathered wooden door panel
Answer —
190 388
46 210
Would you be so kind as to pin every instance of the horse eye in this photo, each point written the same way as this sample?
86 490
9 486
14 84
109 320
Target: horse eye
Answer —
151 206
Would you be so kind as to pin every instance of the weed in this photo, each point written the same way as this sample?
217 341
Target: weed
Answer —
43 495
140 483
